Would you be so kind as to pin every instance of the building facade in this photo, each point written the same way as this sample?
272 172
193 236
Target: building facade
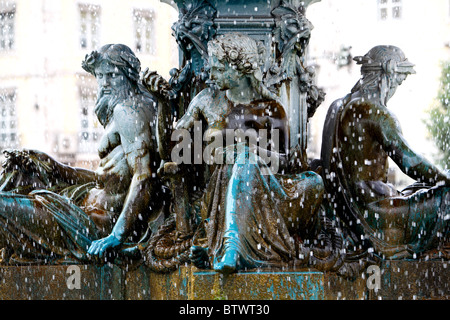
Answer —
46 98
349 28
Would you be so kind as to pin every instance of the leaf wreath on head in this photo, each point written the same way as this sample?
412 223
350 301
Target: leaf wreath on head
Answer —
90 61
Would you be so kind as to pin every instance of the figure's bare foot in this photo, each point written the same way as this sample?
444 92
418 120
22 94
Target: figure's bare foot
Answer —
228 263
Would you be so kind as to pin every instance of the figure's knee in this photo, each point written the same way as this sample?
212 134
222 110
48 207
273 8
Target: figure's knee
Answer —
307 201
314 186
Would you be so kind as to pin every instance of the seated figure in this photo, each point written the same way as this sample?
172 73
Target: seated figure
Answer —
51 212
359 135
252 216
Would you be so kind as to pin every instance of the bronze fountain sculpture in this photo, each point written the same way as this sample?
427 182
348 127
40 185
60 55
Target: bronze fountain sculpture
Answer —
246 205
54 213
360 133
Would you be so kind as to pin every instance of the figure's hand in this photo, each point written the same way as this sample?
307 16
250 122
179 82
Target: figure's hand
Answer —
160 171
99 247
171 168
155 83
167 170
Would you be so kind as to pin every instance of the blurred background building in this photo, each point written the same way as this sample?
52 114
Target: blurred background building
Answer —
348 28
47 100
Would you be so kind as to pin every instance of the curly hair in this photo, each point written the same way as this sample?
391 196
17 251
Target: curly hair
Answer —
243 53
117 54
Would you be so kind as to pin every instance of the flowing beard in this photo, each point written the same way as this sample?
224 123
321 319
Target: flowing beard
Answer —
105 104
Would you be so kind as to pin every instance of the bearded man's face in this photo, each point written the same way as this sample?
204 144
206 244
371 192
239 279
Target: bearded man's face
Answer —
111 81
113 87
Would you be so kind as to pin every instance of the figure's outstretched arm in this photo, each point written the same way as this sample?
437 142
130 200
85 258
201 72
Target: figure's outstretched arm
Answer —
42 164
410 162
192 114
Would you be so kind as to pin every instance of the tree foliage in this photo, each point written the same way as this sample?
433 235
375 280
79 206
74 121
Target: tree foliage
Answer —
438 123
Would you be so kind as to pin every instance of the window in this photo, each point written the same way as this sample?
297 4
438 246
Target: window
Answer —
144 31
7 14
389 9
89 26
9 137
90 128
